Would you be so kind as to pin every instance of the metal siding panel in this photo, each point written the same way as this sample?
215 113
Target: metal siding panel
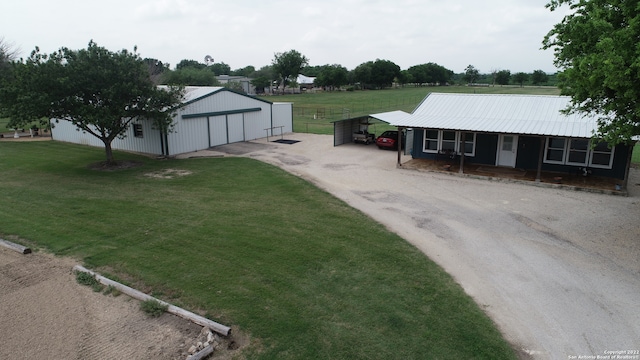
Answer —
218 130
283 116
255 124
149 143
189 135
235 124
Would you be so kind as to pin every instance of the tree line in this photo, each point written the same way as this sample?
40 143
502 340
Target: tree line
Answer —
377 74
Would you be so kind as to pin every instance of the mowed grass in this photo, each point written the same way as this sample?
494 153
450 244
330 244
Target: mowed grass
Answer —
249 245
315 112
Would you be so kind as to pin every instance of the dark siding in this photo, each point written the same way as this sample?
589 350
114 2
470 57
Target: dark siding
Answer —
416 152
486 147
528 152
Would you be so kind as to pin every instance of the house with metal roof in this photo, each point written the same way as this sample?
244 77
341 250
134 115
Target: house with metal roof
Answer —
208 116
515 131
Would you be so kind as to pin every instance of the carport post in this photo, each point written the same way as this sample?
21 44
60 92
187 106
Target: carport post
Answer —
399 146
462 146
540 159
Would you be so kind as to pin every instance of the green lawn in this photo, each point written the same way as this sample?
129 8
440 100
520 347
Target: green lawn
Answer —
302 273
314 112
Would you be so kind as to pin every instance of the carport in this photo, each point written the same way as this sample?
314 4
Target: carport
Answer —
343 130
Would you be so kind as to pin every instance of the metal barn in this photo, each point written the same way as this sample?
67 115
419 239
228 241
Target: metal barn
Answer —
209 116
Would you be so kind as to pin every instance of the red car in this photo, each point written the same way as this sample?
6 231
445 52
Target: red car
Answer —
389 140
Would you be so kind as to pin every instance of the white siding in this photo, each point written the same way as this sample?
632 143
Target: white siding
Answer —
218 130
188 135
235 125
283 116
225 101
149 143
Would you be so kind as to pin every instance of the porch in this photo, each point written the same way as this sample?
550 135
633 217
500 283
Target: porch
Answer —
569 181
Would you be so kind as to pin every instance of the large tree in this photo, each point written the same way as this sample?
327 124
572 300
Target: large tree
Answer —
471 74
8 54
520 78
332 76
99 91
502 77
596 48
539 77
190 76
384 73
430 73
287 66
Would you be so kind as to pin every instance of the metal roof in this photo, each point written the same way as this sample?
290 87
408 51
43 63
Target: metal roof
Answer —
196 92
495 113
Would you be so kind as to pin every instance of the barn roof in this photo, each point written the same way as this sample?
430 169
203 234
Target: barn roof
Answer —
495 113
195 93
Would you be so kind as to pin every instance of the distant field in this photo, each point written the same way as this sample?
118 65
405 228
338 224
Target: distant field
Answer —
315 112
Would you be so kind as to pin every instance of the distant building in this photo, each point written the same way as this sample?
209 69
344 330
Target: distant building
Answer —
243 81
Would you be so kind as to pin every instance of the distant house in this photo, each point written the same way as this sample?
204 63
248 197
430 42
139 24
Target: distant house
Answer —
305 82
209 116
516 131
243 82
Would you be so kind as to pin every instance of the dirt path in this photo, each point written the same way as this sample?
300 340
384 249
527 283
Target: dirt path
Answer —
46 314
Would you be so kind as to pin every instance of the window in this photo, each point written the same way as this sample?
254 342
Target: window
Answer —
554 153
577 152
137 130
470 144
602 156
431 140
448 140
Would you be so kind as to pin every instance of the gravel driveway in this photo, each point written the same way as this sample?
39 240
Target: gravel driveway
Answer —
557 270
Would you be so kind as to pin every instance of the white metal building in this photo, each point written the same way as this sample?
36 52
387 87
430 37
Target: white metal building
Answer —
209 116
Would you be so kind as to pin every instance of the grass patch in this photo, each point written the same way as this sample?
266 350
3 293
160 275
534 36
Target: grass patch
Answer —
86 279
314 112
635 158
303 273
153 308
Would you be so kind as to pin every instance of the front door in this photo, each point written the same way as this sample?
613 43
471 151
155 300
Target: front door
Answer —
507 150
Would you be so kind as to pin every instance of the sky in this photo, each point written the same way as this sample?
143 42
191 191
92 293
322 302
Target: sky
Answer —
489 34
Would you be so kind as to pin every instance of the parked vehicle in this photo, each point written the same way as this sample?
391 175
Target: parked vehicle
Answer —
389 140
364 137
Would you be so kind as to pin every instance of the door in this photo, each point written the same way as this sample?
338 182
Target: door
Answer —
507 150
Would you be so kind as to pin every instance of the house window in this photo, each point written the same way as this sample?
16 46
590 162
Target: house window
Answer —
431 140
447 140
470 144
137 130
601 156
578 152
554 152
